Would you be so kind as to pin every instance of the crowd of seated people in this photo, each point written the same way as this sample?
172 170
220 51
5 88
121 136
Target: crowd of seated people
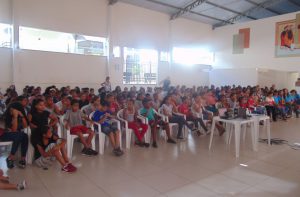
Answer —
44 111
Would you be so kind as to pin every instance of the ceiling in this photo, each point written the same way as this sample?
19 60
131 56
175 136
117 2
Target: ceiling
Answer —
219 12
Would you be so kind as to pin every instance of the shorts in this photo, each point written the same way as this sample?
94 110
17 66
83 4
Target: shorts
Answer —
79 129
45 162
107 129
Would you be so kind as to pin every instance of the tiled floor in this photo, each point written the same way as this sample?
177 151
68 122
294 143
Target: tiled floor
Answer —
186 169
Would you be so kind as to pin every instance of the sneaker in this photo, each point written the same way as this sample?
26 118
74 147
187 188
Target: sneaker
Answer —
22 185
140 144
68 168
171 141
10 163
93 151
22 164
146 145
198 132
180 138
71 166
118 152
154 145
86 152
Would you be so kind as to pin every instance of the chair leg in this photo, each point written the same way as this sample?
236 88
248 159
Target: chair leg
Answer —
268 131
94 143
101 143
128 138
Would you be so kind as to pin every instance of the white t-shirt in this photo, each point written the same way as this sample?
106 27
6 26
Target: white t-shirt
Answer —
168 109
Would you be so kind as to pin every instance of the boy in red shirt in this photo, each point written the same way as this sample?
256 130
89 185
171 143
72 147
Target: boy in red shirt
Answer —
184 108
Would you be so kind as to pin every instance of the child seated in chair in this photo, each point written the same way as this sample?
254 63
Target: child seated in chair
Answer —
109 127
6 185
154 121
74 121
139 129
48 148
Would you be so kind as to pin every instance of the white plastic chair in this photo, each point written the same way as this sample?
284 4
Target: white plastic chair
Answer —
102 136
166 119
200 115
71 138
128 131
30 150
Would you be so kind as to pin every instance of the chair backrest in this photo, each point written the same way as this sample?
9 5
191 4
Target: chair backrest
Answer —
91 115
120 114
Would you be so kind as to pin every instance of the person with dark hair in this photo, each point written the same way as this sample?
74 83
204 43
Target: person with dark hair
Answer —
15 122
154 121
271 106
113 105
64 104
74 121
109 127
169 110
106 84
38 118
185 109
130 115
49 147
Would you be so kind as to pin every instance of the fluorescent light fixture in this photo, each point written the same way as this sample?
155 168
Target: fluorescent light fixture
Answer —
244 165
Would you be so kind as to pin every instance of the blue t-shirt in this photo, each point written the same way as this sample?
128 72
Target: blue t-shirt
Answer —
276 99
98 116
289 98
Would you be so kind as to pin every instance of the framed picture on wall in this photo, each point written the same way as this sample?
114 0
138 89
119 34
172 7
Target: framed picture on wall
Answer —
287 43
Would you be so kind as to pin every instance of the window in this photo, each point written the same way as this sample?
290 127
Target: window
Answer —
45 40
192 56
5 35
140 66
164 56
116 51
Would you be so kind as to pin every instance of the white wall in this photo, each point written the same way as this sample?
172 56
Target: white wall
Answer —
6 11
131 26
125 25
261 53
283 79
241 76
137 27
5 68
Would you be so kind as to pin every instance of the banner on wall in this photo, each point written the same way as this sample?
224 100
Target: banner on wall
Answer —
287 43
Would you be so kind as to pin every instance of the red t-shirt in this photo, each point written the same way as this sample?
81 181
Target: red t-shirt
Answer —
251 102
244 105
113 107
184 109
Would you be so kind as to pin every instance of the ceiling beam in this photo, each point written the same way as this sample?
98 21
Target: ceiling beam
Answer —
269 9
230 10
112 2
178 8
232 20
294 2
187 8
